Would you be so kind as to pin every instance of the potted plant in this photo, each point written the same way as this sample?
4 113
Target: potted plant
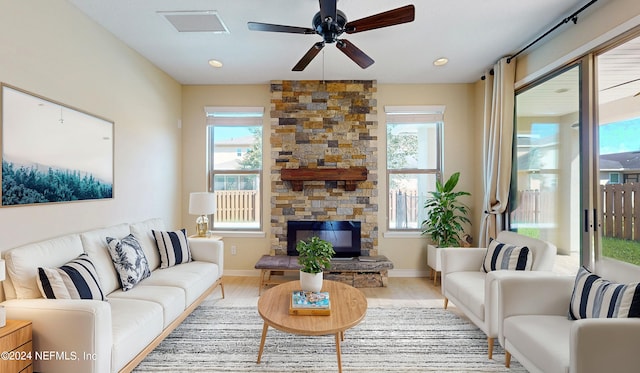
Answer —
446 214
314 256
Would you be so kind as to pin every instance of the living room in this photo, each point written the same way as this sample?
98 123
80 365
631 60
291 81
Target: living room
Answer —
160 146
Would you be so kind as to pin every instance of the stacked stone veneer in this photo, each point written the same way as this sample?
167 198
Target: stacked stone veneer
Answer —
324 124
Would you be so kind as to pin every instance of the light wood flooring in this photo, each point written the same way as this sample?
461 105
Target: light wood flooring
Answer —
401 292
242 291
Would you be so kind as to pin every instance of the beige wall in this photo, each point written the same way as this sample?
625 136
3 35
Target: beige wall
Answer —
194 141
51 49
407 253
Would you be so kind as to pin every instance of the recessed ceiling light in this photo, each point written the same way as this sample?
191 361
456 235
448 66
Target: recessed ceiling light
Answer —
215 63
441 61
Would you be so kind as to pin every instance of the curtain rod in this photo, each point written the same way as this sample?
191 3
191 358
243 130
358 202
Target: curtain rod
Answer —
573 17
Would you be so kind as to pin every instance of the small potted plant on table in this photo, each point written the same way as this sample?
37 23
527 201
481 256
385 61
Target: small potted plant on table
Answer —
314 256
446 215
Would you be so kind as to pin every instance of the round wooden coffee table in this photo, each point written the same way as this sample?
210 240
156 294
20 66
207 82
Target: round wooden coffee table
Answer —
348 307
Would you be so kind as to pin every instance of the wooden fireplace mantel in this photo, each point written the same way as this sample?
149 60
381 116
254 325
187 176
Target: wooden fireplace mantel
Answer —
350 176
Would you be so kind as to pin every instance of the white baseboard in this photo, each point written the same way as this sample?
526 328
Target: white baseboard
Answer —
408 273
242 272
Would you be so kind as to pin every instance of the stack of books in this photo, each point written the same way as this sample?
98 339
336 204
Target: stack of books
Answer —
310 303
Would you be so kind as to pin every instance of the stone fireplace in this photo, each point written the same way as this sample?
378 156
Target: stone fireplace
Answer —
324 128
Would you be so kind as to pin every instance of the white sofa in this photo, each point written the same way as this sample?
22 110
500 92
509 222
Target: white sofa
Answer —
113 335
475 292
537 331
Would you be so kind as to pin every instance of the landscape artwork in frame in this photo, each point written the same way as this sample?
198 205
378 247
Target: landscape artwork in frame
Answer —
53 153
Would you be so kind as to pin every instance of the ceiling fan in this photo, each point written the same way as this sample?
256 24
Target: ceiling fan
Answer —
330 23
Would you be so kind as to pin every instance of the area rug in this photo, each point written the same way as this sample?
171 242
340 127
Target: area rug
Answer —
227 339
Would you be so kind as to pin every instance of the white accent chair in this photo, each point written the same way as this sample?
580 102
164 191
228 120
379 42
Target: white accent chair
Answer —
475 292
536 330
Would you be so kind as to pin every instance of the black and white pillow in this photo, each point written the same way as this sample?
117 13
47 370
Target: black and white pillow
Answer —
173 247
77 279
503 256
595 297
129 260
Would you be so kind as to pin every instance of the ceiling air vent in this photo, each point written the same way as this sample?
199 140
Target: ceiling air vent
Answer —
196 21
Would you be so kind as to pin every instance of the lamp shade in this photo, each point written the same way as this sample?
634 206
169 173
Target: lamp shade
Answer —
202 203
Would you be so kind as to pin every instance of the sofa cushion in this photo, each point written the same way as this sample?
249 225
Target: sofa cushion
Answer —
76 279
504 256
173 247
135 324
543 339
170 298
468 288
129 260
193 277
94 243
142 231
594 296
22 262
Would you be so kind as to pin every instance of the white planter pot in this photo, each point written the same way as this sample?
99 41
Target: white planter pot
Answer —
434 261
311 281
434 258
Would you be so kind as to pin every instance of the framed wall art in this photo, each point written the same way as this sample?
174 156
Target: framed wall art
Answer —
52 152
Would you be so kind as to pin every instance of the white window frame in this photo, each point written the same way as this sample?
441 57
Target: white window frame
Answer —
411 115
229 116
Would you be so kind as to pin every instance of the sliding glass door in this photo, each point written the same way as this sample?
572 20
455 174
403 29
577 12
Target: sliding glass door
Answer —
546 180
618 152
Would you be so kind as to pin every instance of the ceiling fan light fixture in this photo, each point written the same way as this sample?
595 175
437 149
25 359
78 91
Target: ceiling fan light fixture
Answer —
215 63
441 61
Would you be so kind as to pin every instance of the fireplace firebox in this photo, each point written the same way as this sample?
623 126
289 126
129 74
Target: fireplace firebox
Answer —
343 234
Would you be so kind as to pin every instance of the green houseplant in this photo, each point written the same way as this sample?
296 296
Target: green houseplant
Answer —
446 213
314 256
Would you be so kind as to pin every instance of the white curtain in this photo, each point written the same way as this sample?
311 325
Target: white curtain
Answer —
497 150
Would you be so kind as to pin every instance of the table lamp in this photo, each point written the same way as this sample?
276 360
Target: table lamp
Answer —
203 204
3 313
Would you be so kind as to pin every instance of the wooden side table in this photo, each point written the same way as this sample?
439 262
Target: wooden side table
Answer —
16 348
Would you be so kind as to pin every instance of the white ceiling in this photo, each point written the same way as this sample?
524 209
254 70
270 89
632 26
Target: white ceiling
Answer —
472 34
618 72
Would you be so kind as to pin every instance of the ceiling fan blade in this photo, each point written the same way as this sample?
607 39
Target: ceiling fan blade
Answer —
389 18
311 53
257 26
354 53
328 8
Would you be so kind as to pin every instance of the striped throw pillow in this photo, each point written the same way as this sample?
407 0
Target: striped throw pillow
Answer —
595 297
77 279
503 256
173 247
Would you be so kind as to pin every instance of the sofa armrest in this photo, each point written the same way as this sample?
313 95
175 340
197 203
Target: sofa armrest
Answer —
491 292
542 293
605 345
69 335
207 250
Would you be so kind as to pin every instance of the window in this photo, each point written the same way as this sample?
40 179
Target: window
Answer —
414 162
235 166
